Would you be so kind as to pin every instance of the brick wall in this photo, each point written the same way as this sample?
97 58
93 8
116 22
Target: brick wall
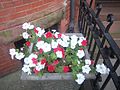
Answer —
6 64
13 13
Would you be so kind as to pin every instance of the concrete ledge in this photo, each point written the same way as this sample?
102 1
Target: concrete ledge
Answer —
53 76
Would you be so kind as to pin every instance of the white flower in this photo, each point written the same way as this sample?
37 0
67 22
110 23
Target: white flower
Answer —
80 53
26 69
26 25
65 44
59 54
12 52
86 69
19 56
27 60
65 37
40 66
56 34
80 78
40 44
54 44
87 61
25 35
54 30
74 37
32 55
40 31
31 64
101 68
72 46
47 47
59 41
31 27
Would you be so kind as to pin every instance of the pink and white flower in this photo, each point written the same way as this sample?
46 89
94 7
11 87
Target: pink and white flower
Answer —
80 41
40 31
40 66
59 52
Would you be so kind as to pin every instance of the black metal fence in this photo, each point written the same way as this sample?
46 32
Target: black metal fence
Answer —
101 45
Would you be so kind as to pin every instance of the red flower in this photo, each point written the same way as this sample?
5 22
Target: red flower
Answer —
49 35
55 62
35 71
28 43
43 61
84 43
34 60
41 51
66 69
51 68
92 62
59 35
39 39
36 31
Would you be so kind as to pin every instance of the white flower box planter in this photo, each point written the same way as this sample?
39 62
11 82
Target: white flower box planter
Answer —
53 76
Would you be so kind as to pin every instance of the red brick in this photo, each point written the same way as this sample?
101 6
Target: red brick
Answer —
17 15
8 4
5 12
2 27
18 2
23 7
5 0
37 4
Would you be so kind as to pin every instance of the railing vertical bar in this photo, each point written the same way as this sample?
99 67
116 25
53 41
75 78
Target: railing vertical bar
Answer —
105 83
91 39
86 28
117 63
83 25
93 50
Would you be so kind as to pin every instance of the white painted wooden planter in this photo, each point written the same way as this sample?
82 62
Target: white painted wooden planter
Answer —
53 76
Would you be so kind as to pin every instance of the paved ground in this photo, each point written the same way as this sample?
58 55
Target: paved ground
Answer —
13 82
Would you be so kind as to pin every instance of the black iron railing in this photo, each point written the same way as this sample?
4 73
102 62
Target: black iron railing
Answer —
100 43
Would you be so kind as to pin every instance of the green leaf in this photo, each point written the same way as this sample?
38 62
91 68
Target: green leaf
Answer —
53 56
40 74
35 48
74 62
59 69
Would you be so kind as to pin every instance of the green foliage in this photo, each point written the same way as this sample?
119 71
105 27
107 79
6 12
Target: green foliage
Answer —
59 69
